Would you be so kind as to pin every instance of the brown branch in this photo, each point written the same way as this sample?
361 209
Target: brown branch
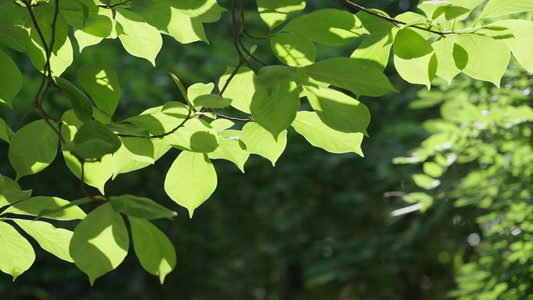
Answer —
395 22
114 5
239 65
249 119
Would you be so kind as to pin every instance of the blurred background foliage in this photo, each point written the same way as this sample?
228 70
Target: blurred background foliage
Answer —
318 225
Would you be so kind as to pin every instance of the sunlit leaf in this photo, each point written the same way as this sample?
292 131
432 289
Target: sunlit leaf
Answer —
96 27
140 207
375 49
16 253
101 82
414 58
152 247
191 180
206 11
350 74
240 89
52 239
496 8
136 153
93 140
477 67
211 101
338 110
195 135
61 55
33 148
80 103
318 134
11 192
327 26
100 242
37 206
446 67
95 173
522 42
275 12
275 109
138 38
260 141
231 148
292 49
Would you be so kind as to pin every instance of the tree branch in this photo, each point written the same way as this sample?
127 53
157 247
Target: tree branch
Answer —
395 22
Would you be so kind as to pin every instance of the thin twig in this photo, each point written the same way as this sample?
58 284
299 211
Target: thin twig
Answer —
395 22
239 65
249 119
114 5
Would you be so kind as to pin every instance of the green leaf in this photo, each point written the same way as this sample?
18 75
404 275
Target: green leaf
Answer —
61 56
221 124
191 180
426 182
80 103
496 8
231 148
138 38
260 141
5 132
424 199
318 134
10 79
293 49
196 135
101 82
206 11
275 12
521 44
433 169
240 89
11 192
338 110
152 247
170 20
157 122
140 207
448 10
199 89
54 240
16 253
411 19
477 67
37 206
414 58
211 101
94 140
33 148
128 130
444 49
136 153
271 76
327 26
100 242
96 27
11 13
375 50
275 109
95 173
350 74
